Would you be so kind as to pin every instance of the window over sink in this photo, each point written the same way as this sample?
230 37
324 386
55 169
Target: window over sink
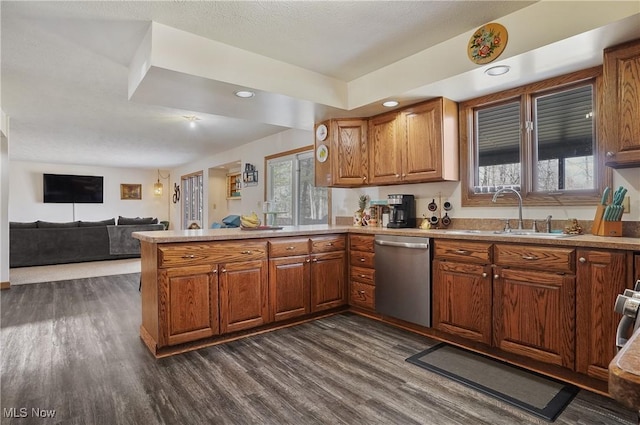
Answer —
541 139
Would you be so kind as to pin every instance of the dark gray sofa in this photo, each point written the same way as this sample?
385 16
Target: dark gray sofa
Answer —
41 243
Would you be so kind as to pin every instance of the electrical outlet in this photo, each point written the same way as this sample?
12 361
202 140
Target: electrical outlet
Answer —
626 203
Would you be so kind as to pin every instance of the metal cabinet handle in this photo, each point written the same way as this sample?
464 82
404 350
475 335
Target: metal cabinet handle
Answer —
246 252
362 275
224 270
364 178
362 260
461 251
315 260
188 256
582 260
404 175
397 176
484 275
329 244
610 154
496 276
291 248
529 257
307 260
361 292
215 271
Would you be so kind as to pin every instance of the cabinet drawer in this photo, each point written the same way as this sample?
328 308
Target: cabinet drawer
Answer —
288 247
536 257
361 243
327 243
186 254
363 275
361 259
466 252
362 295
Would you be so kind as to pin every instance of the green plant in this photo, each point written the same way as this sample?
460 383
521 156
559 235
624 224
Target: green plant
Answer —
362 202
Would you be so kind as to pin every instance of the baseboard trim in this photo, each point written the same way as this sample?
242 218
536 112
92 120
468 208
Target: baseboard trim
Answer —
5 285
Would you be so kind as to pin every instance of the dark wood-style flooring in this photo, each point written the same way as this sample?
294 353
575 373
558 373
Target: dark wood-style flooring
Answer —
73 347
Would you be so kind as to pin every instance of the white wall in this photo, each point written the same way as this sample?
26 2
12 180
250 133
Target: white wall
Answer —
4 198
218 203
25 194
345 201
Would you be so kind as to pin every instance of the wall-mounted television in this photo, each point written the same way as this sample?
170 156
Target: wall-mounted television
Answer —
70 189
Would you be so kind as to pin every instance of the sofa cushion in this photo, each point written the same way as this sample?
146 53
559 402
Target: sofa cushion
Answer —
21 225
50 225
109 222
137 220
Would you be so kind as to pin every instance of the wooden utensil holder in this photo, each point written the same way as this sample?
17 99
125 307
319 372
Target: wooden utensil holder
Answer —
605 228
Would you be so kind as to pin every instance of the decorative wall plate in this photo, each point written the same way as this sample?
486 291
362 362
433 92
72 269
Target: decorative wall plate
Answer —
487 43
322 153
321 132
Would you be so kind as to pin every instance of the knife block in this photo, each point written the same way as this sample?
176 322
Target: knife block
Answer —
605 228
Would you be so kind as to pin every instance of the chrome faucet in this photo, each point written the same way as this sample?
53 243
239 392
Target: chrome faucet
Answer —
508 189
548 222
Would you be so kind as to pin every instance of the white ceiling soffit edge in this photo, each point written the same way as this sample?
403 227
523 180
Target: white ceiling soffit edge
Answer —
533 27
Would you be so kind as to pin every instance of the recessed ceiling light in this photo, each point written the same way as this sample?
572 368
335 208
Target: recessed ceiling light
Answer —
244 94
497 70
390 103
192 120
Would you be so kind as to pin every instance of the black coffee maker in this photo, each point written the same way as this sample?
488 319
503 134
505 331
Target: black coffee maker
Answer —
402 211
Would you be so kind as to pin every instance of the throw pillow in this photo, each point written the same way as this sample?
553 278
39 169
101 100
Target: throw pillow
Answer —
20 225
51 225
128 221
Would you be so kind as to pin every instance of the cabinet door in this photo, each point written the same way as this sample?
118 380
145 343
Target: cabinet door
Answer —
243 295
385 155
328 277
462 300
349 157
190 299
534 315
422 140
601 276
622 105
289 290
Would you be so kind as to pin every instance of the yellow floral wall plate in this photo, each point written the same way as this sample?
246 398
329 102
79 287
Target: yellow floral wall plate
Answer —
487 43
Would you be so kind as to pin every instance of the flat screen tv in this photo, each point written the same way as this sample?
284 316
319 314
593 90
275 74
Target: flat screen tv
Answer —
70 189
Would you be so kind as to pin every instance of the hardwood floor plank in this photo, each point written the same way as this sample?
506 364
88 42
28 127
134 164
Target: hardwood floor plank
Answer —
74 346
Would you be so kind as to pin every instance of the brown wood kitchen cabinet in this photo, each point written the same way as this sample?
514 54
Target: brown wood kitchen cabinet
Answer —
210 288
602 275
622 105
534 290
462 289
362 274
416 144
328 272
346 162
289 278
306 275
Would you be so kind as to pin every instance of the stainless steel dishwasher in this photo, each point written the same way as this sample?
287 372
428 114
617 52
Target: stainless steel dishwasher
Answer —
403 278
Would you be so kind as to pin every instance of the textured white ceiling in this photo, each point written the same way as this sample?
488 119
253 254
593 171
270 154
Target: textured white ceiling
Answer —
65 68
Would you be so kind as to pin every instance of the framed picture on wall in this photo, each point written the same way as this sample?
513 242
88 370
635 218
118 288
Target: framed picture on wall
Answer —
130 191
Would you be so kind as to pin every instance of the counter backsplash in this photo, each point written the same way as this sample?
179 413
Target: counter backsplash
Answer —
629 228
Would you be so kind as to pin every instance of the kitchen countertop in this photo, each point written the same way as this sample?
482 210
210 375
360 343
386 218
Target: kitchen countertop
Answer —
624 374
588 240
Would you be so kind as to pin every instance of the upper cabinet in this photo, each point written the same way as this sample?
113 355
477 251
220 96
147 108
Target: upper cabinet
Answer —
412 145
416 144
341 153
622 105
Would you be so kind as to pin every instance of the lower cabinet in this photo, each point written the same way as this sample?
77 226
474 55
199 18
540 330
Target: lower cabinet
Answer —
602 275
534 315
243 295
328 281
462 299
289 287
362 274
191 303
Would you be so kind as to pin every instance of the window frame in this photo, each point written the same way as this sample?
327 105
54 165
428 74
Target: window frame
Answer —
294 152
525 94
188 182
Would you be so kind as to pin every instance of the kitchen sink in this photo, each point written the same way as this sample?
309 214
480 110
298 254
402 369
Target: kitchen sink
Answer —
518 233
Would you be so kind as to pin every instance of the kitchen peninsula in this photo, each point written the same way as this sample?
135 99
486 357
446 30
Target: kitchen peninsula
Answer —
204 287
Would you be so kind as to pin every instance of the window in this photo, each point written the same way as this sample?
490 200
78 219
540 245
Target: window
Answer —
291 191
540 139
192 190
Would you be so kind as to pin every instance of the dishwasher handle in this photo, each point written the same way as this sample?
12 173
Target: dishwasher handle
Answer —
410 245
